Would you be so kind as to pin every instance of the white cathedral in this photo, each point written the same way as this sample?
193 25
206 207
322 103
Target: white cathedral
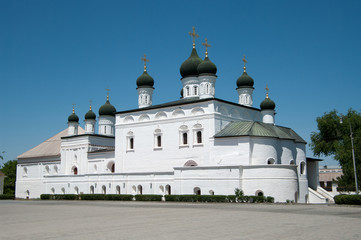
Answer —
196 145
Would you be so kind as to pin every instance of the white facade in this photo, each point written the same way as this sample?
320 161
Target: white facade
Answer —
196 145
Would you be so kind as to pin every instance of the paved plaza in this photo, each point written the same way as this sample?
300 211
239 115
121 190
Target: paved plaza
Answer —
160 220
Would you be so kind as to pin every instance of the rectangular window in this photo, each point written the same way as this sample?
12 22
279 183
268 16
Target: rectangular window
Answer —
159 141
131 143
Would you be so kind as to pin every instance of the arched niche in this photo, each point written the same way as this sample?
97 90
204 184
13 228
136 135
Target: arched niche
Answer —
197 111
144 117
160 115
128 119
178 113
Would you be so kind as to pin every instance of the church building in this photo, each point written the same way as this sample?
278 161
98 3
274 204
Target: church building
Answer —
198 144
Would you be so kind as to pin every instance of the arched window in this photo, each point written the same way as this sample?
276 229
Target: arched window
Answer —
131 143
197 191
185 138
199 137
195 90
168 190
140 189
25 171
190 163
91 189
75 170
158 138
53 190
259 193
76 190
118 189
161 189
47 169
302 167
207 88
112 168
211 192
63 190
104 189
55 169
270 161
187 92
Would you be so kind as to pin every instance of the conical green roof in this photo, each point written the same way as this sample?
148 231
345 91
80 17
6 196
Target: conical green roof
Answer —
189 66
207 67
145 80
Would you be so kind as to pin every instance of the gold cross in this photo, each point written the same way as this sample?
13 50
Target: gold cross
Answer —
206 45
194 35
145 60
90 104
244 63
267 89
73 107
108 90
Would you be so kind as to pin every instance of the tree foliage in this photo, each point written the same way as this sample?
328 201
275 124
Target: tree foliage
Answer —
333 139
9 169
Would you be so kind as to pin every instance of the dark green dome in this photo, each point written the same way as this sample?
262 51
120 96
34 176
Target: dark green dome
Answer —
107 109
73 118
268 104
145 80
245 80
207 67
189 66
90 115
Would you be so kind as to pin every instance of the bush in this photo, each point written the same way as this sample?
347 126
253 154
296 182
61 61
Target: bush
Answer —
346 189
7 196
46 196
148 197
65 197
119 197
212 198
92 196
348 199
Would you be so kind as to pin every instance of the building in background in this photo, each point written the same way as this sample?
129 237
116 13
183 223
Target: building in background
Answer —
328 176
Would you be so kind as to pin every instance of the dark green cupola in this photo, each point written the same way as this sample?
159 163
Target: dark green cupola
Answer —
190 66
245 81
90 115
207 67
267 103
73 117
107 109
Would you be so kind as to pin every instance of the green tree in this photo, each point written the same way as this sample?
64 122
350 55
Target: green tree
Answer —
333 139
9 169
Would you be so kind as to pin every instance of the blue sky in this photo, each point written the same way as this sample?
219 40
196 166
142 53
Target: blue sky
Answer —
55 53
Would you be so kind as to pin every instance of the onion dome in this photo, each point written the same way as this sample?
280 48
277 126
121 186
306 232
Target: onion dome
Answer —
107 109
207 67
90 114
73 117
145 80
267 103
189 66
245 80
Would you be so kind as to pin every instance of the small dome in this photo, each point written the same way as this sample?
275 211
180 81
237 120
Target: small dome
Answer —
90 115
73 118
145 80
189 66
268 104
245 80
107 109
207 67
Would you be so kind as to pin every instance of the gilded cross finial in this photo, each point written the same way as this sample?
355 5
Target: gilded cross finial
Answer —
244 63
206 45
145 60
108 90
73 107
194 35
267 89
90 105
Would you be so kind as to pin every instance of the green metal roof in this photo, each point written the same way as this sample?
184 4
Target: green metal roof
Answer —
258 129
